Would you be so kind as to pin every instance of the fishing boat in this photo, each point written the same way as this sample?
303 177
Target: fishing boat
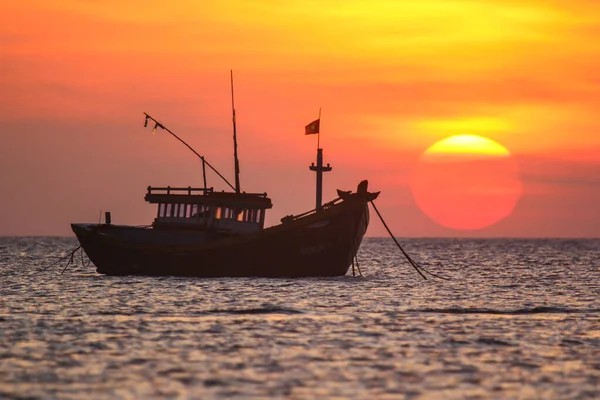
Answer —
201 232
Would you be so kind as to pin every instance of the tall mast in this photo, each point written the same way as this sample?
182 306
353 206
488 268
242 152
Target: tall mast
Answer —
235 156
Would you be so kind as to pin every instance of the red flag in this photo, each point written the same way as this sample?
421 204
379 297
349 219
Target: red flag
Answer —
313 127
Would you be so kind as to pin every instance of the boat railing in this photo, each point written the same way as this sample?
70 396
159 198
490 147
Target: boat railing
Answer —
177 190
194 191
289 218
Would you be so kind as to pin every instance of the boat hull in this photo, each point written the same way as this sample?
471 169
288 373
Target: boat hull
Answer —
320 244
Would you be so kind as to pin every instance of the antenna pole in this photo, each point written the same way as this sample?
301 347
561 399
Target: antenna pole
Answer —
235 156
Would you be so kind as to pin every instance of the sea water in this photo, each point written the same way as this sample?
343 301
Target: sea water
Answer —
517 319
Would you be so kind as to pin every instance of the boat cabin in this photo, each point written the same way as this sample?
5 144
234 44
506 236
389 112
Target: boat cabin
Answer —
205 209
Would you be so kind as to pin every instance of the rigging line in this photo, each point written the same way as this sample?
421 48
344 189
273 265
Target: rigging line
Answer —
358 266
159 125
355 258
430 273
67 266
413 262
53 264
352 243
397 244
82 252
59 261
71 259
409 258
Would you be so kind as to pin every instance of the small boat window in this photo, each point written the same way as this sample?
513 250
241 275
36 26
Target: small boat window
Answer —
204 211
218 213
182 210
168 210
258 213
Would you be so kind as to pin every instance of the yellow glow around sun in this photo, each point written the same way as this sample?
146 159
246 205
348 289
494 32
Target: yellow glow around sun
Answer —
468 144
467 125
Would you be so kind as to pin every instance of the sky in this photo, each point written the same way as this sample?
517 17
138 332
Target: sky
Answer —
392 78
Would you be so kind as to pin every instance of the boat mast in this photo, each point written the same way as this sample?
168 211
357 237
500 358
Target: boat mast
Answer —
319 168
235 156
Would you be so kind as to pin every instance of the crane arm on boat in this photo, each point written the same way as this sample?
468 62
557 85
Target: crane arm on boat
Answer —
204 162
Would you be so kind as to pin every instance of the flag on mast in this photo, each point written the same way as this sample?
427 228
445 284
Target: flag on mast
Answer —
313 127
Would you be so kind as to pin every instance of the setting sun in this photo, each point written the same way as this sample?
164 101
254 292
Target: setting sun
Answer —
466 182
467 144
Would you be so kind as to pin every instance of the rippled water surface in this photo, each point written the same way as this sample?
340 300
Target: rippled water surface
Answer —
519 319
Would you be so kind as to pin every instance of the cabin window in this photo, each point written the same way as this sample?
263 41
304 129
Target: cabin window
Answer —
240 215
193 211
168 208
204 211
182 210
161 209
218 213
258 214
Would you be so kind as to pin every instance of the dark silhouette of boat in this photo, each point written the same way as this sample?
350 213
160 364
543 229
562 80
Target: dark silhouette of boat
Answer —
201 232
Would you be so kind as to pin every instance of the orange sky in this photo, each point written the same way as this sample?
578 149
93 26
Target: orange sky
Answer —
393 77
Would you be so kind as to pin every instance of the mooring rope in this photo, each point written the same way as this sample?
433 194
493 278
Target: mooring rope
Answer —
70 257
354 258
83 264
358 266
412 262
